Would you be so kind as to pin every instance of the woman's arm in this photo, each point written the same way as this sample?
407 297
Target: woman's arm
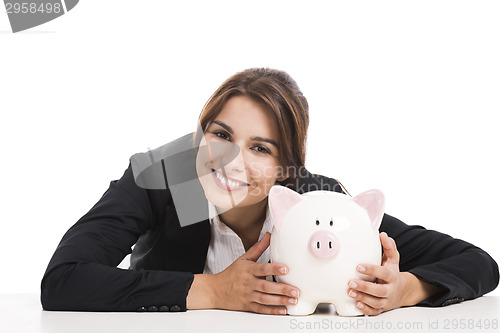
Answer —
417 290
82 274
462 270
436 270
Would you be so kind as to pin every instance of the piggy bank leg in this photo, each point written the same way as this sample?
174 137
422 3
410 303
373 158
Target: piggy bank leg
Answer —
347 308
302 308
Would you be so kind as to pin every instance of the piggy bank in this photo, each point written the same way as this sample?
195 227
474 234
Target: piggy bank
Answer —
322 237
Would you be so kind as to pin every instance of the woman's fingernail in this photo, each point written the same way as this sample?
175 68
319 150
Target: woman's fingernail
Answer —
294 293
282 311
360 305
292 300
361 268
283 270
353 285
352 294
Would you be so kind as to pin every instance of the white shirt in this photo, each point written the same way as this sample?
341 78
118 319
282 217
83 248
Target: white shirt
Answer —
226 246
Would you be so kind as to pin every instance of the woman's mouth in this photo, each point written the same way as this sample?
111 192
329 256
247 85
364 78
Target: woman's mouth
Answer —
224 183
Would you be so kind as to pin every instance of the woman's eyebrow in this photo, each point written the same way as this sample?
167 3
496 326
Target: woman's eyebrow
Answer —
253 138
258 138
221 124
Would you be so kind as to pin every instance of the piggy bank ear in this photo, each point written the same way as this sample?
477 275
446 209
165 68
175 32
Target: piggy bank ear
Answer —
373 202
281 200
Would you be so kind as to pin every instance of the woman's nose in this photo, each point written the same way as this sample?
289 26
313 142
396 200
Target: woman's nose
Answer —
237 164
222 154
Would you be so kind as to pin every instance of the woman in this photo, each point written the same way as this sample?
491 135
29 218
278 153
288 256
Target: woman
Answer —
196 210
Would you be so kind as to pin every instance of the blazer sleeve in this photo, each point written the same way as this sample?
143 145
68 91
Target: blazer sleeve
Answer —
82 274
464 271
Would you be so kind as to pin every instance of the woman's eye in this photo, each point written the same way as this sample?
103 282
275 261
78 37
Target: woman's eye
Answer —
262 150
221 135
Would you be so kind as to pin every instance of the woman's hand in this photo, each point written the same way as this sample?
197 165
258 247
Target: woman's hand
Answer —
392 288
242 286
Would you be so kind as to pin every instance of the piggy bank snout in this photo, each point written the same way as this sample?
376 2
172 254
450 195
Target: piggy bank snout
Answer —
324 245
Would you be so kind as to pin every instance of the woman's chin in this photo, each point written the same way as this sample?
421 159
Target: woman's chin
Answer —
225 200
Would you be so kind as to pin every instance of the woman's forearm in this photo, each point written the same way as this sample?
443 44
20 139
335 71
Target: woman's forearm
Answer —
201 293
417 290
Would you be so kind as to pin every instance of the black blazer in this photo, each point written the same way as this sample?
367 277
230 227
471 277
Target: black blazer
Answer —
82 274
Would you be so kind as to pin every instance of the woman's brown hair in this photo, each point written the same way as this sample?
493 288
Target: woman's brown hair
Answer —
277 92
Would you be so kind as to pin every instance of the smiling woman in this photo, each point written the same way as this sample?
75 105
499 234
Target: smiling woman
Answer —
247 179
260 118
286 109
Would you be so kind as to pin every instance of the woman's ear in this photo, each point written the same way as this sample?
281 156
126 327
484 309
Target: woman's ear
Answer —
285 177
281 175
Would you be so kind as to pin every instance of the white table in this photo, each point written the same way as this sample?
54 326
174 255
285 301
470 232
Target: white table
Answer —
23 313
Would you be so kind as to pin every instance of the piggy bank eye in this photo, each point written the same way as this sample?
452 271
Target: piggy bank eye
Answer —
331 223
317 222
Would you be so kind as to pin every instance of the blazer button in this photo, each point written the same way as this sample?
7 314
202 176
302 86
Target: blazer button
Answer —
152 308
175 308
164 308
142 309
446 302
452 301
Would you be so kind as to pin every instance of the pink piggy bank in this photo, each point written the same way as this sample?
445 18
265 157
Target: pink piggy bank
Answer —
322 237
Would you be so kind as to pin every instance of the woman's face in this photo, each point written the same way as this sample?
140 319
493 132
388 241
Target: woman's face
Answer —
240 162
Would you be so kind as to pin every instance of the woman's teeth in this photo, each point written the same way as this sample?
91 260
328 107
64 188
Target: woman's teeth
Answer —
228 182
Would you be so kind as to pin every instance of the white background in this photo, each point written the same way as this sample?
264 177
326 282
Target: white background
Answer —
402 94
